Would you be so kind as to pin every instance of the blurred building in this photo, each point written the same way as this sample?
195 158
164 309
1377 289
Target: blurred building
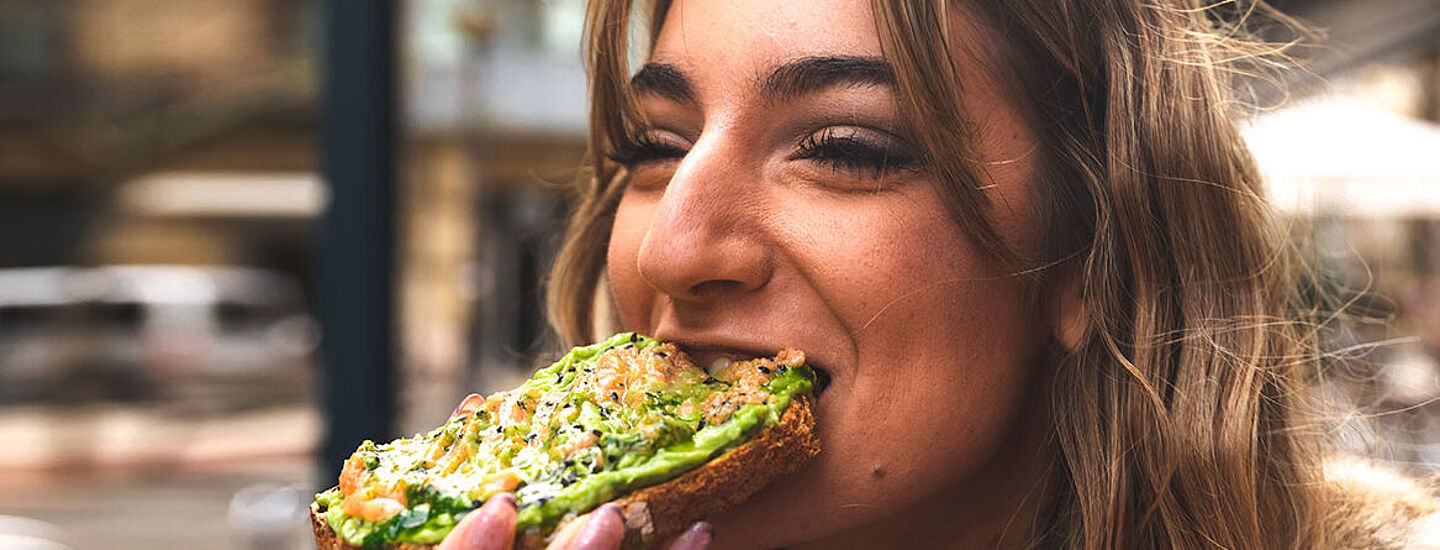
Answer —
1352 158
97 94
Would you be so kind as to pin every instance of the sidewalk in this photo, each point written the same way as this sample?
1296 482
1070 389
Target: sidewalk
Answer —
122 477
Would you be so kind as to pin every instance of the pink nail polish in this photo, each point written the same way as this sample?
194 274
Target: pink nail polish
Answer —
697 537
495 524
603 530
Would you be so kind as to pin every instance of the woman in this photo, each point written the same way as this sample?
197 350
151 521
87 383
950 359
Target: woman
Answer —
1023 238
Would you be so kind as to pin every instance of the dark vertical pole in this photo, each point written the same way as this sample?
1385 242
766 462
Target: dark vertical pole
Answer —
357 256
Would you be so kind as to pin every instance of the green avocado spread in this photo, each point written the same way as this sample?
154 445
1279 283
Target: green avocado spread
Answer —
601 422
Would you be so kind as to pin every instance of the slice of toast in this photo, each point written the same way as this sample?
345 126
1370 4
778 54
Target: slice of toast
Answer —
656 513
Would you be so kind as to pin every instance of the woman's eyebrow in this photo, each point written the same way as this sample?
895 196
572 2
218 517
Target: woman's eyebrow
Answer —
664 80
811 74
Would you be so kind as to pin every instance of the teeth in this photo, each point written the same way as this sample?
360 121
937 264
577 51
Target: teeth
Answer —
718 365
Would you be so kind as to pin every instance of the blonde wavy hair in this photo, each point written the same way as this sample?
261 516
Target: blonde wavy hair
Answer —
1178 412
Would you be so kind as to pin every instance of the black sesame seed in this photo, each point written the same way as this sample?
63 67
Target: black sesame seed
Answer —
662 354
595 433
781 369
614 396
709 380
701 425
763 369
634 338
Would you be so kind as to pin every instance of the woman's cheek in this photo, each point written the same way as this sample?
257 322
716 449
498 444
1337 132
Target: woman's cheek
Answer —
632 294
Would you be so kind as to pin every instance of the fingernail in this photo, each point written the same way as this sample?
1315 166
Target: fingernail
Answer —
697 537
604 529
503 499
495 526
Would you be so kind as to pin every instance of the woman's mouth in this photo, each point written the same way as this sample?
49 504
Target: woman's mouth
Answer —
822 380
715 360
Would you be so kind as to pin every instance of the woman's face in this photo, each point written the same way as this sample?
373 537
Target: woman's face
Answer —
778 200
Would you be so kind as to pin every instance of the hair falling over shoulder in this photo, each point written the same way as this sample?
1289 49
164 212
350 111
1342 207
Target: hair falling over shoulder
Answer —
1180 409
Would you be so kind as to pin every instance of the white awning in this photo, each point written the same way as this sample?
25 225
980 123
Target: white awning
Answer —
1342 157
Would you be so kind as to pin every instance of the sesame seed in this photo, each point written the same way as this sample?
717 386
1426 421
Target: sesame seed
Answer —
763 369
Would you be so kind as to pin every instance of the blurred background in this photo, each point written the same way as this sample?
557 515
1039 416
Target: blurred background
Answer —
190 190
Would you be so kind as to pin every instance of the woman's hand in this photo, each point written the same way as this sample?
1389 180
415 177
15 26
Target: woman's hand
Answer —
492 527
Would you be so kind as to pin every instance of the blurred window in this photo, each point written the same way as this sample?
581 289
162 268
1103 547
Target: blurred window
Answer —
29 38
114 315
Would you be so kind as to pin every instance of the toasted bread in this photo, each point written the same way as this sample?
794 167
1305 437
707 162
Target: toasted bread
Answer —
655 513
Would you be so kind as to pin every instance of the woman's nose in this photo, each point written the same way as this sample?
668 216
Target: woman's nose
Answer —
706 239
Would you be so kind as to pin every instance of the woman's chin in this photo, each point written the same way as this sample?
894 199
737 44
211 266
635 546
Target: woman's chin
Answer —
792 510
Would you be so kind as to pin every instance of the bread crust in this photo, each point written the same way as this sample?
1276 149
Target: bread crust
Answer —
656 513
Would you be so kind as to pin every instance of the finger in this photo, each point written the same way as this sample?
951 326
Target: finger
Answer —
567 534
491 527
603 530
697 537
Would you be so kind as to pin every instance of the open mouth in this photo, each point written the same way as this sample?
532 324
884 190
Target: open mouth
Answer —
822 380
715 360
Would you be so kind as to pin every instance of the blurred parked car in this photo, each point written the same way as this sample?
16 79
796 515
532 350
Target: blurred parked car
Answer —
222 335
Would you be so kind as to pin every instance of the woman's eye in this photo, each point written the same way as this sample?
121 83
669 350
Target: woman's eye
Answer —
648 146
866 152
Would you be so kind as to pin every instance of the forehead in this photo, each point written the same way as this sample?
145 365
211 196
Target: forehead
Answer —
737 37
